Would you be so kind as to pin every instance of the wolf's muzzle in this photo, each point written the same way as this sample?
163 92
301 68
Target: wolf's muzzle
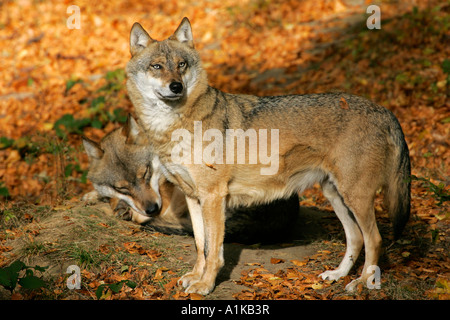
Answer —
152 209
176 87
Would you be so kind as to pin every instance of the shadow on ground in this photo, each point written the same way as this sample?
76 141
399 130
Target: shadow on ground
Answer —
301 241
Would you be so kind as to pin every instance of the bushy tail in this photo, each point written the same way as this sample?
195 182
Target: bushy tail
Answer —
397 194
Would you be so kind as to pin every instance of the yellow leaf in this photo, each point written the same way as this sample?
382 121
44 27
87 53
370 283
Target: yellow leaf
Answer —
299 263
443 285
13 156
62 208
47 126
441 84
274 278
106 295
317 286
22 53
252 264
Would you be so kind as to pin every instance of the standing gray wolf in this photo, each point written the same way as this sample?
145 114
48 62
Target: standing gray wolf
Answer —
124 170
349 145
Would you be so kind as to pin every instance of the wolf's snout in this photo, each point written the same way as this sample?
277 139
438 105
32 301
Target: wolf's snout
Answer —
176 87
152 209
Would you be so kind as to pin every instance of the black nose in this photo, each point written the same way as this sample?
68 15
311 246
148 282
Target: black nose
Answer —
176 87
151 209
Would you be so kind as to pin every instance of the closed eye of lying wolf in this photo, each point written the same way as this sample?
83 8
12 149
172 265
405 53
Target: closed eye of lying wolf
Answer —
350 145
123 169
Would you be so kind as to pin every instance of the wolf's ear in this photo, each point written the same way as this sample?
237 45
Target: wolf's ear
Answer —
92 148
184 33
131 130
139 39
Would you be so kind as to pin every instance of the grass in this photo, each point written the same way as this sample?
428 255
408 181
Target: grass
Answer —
405 290
34 248
88 238
85 258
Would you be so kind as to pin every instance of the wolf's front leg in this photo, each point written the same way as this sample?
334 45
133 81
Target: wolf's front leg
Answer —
195 212
213 209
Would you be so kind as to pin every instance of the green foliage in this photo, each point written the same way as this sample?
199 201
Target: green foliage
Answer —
70 83
439 192
5 142
82 256
101 110
4 192
71 167
67 124
446 69
446 66
119 115
103 289
100 113
19 273
115 80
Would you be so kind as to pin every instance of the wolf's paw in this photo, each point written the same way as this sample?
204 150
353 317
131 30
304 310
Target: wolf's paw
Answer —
332 275
90 197
200 287
351 287
188 279
122 211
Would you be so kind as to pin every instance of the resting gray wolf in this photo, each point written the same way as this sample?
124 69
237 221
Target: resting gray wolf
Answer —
124 170
348 144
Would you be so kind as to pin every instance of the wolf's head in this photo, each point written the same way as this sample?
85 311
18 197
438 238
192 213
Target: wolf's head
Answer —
163 75
123 167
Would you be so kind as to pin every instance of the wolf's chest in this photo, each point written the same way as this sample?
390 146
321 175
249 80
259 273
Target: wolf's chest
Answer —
154 113
157 118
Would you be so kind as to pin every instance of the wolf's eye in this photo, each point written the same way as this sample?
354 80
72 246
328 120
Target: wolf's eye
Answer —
181 64
156 66
123 190
147 174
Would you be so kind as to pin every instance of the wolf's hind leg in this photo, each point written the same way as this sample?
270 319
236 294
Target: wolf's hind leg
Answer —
365 215
353 234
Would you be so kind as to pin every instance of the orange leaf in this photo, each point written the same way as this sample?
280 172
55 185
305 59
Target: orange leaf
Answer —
104 249
171 284
276 261
153 254
343 103
210 166
158 274
299 263
195 296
